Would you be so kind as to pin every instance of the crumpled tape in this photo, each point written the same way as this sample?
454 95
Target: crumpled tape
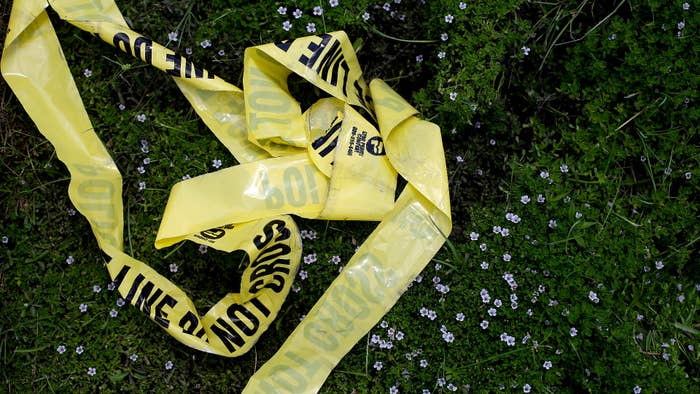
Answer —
328 162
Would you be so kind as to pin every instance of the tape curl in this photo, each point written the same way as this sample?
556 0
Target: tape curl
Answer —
327 162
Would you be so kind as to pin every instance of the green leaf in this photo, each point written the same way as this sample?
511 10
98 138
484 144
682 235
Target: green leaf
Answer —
118 377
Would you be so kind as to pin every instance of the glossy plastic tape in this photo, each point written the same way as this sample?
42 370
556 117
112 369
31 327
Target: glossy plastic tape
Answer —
327 162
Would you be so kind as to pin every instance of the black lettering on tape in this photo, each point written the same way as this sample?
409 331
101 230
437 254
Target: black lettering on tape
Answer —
175 59
122 42
120 276
247 324
134 286
227 334
270 253
375 146
189 322
269 232
159 315
284 44
316 50
261 307
144 302
147 55
213 233
234 310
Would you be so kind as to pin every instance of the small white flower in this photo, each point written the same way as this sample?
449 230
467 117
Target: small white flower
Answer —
83 308
453 96
492 312
203 249
141 117
172 36
449 18
526 388
462 5
578 215
303 274
483 247
79 349
92 371
544 174
526 50
525 199
134 357
286 25
142 185
333 3
419 58
593 296
168 365
441 55
484 324
173 267
297 13
87 72
681 25
282 10
188 51
686 6
460 316
540 199
506 257
140 169
573 331
423 363
70 260
474 236
61 349
121 107
96 288
311 27
547 364
564 168
365 16
484 265
637 389
378 365
448 337
113 312
552 223
205 44
444 36
221 52
216 163
120 302
688 175
659 265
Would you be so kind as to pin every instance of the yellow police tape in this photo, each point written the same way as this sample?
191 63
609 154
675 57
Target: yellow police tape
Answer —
327 162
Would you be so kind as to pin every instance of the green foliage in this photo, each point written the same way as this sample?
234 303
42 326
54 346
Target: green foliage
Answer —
592 105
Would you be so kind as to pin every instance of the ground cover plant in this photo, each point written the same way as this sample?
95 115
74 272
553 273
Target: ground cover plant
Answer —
571 136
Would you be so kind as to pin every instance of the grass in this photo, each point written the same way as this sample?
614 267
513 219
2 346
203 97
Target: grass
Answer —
590 138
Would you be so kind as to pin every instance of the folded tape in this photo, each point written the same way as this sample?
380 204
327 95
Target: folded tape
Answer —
328 162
